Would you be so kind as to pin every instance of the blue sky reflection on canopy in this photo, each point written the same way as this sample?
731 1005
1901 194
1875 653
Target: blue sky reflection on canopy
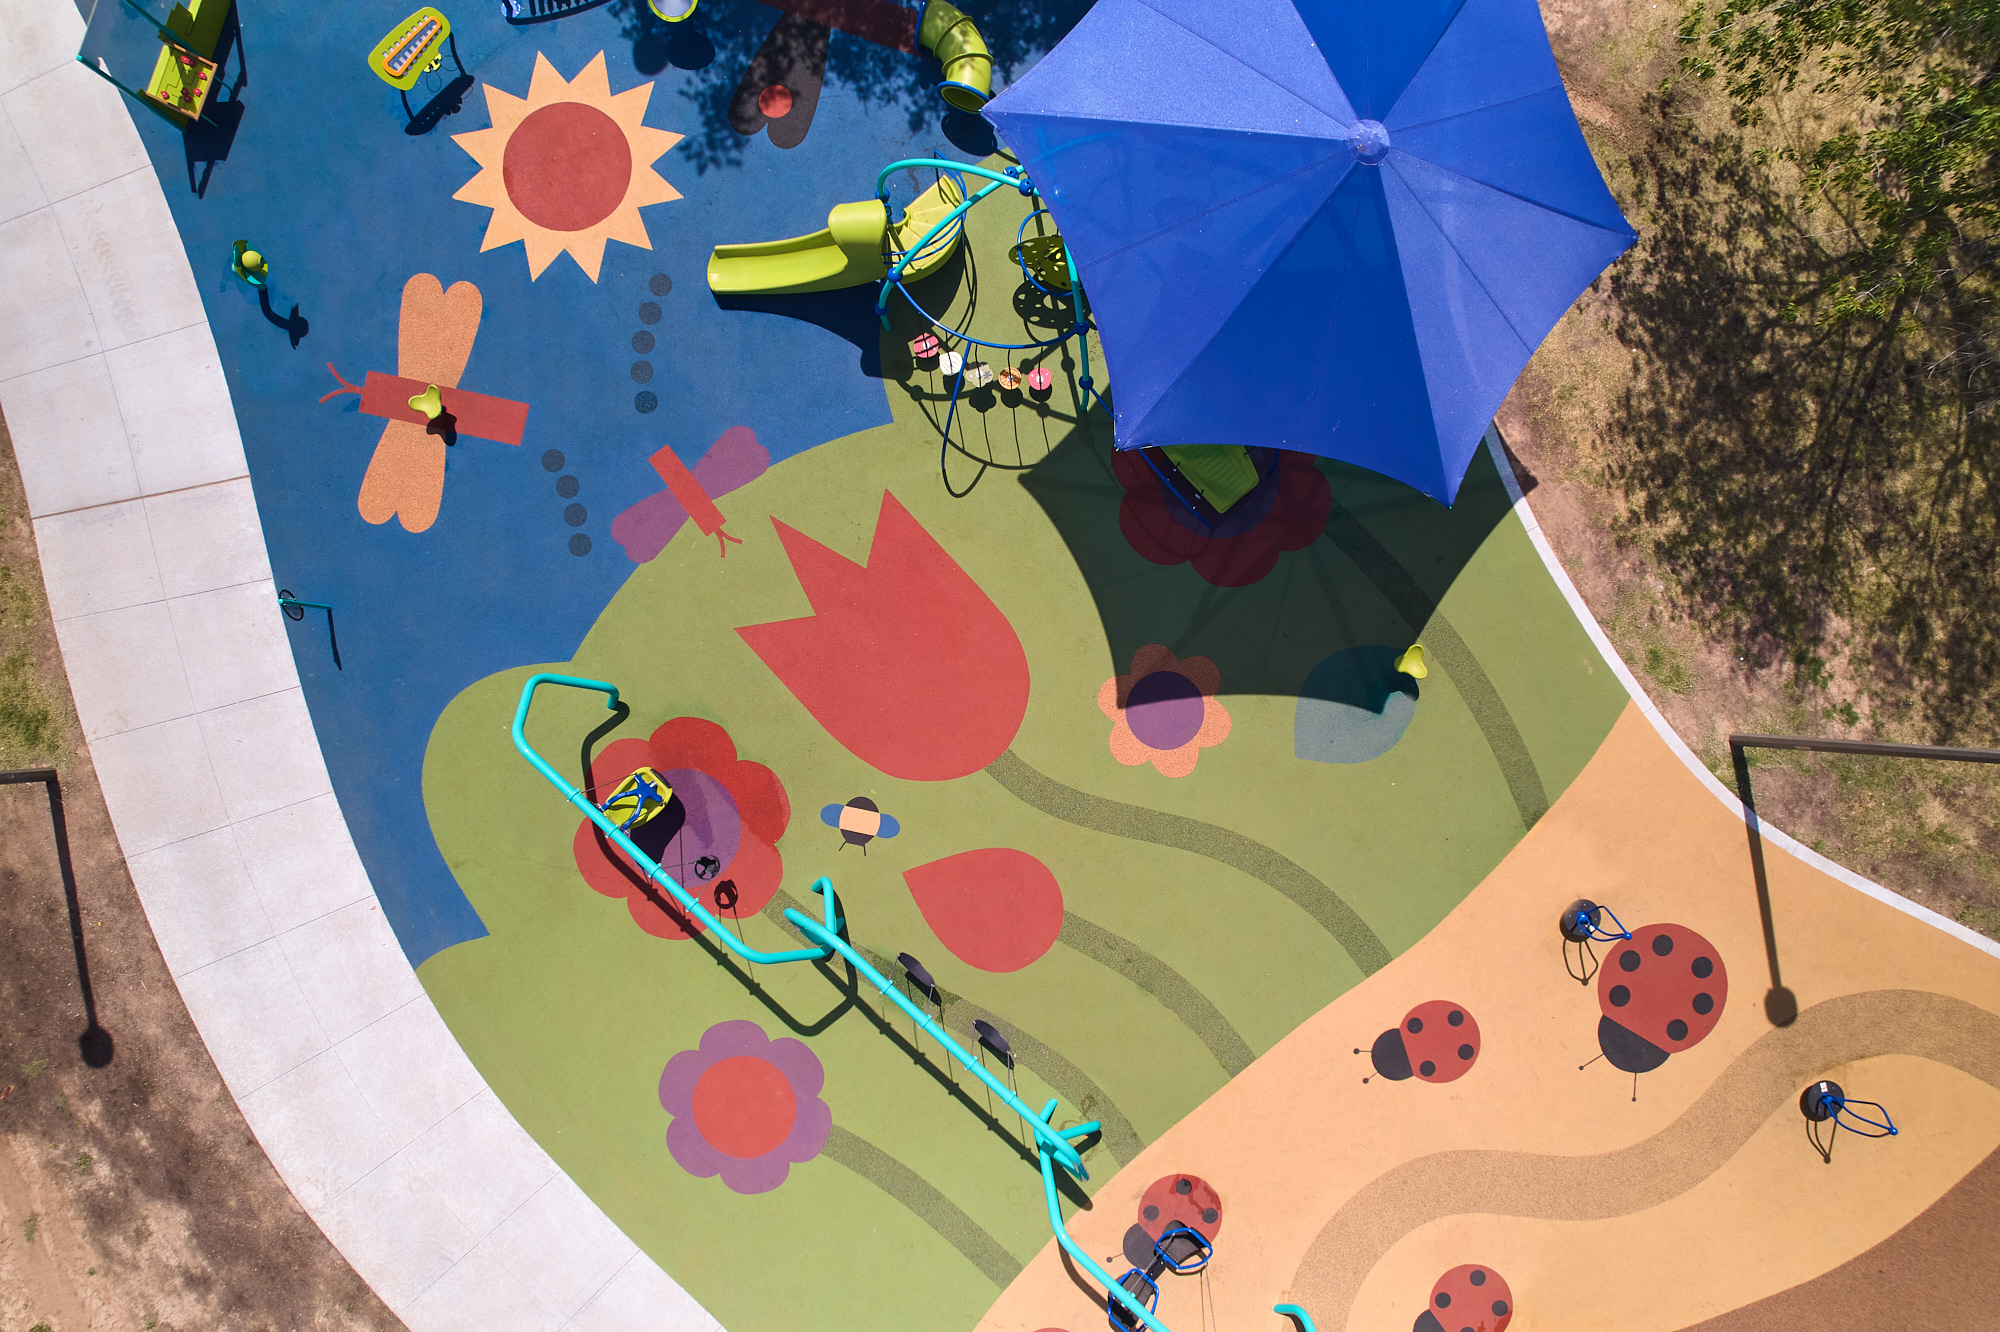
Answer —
1336 226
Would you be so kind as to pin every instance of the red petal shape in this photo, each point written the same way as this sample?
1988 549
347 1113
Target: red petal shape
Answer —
615 762
997 909
905 661
690 742
1241 560
1154 532
760 798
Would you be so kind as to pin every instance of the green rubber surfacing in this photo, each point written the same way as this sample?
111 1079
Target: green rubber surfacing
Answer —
570 1011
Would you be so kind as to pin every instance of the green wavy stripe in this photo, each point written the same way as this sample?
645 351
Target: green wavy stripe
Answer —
1380 567
1764 1078
935 1210
1175 992
1221 845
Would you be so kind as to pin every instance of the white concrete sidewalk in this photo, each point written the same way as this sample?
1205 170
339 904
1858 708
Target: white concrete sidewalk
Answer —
177 654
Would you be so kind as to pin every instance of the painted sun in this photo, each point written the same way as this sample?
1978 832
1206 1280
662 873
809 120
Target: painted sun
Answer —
568 167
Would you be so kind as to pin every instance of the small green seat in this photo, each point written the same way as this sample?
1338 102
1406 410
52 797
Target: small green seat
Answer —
1223 473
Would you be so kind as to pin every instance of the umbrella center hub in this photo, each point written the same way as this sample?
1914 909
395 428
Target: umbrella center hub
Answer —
1370 141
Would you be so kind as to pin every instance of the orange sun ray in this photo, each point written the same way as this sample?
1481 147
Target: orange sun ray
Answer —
567 168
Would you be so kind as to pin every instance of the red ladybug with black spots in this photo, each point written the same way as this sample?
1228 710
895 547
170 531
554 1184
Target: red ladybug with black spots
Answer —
1170 1201
1661 991
1469 1298
1436 1041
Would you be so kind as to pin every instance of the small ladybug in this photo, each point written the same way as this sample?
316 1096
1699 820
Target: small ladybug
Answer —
1661 992
1173 1200
1437 1041
1469 1298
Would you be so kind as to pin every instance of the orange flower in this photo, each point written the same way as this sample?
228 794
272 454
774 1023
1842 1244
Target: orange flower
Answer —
1165 712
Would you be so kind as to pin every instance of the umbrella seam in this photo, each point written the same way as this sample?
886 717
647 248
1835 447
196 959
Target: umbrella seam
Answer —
1466 263
1216 208
1145 4
1629 234
1491 106
1436 41
1209 341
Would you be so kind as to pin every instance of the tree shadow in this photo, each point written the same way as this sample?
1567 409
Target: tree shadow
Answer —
720 44
1814 489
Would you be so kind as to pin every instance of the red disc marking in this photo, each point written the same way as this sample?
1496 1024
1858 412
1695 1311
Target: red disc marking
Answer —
744 1106
567 166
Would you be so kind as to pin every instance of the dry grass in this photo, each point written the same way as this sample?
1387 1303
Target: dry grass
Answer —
1716 480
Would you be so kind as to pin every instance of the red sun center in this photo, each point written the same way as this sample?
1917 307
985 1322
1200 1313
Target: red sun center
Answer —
744 1106
567 166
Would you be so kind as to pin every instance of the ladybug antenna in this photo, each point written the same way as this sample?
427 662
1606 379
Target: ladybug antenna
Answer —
1587 1064
1364 1082
1635 1089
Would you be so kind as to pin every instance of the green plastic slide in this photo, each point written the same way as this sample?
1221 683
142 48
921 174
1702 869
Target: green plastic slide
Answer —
855 247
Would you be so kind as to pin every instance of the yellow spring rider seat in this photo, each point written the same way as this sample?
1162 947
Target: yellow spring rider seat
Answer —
637 799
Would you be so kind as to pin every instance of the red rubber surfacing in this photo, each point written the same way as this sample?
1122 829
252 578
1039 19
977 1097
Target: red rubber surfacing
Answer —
1672 998
1199 1209
744 1106
567 166
996 908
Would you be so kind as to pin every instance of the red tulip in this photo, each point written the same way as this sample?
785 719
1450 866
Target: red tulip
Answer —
905 661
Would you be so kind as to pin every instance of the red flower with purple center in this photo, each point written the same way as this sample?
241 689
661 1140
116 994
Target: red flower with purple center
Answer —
745 1107
721 828
1287 511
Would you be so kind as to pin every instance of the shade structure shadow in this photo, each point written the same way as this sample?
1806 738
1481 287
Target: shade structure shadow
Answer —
94 1045
1372 575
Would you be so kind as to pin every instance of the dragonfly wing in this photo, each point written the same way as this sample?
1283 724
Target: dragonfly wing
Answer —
405 478
434 335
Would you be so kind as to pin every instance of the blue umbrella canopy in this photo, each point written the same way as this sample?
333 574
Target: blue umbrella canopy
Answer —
1337 226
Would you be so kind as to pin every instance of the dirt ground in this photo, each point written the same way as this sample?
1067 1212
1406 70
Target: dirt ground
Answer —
132 1194
1715 223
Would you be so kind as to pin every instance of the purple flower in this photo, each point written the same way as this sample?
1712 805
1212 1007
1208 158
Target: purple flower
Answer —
745 1107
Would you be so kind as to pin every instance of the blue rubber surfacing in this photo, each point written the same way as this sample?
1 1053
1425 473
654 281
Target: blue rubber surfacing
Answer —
323 179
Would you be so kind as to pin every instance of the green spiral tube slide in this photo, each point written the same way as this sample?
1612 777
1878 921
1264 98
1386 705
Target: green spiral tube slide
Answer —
968 65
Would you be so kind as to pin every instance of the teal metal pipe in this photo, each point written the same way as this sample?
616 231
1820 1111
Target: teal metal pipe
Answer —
1046 1138
1305 1319
827 934
882 178
1112 1289
911 254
